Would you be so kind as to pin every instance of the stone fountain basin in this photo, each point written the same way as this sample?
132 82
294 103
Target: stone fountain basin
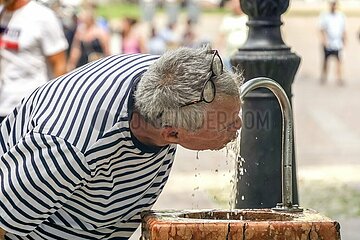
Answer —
241 224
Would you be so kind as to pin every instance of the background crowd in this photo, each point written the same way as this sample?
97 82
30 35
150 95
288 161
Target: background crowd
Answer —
69 35
88 33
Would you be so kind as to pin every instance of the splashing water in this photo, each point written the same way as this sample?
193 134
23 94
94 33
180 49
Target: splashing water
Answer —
233 152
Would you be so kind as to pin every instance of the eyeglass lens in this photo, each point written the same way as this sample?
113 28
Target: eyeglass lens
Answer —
209 92
217 66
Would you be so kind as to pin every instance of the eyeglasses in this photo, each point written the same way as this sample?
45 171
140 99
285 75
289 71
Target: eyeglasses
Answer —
208 91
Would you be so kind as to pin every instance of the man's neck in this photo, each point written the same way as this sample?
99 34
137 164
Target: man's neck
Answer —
145 132
16 4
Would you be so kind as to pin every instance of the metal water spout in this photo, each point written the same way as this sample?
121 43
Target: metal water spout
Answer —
287 138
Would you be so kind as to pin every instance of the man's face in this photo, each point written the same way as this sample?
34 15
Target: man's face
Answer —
221 125
6 2
333 6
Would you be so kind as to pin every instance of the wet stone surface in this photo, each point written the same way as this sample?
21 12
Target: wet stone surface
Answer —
238 224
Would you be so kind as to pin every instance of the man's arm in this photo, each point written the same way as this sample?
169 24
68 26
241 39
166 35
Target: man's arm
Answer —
53 42
323 38
322 29
2 234
57 63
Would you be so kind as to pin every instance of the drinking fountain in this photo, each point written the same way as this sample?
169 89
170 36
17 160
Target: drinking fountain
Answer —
284 221
287 137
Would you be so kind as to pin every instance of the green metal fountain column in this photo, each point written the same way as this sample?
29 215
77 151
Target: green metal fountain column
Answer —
264 54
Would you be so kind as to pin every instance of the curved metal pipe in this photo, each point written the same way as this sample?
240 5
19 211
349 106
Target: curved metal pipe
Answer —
287 133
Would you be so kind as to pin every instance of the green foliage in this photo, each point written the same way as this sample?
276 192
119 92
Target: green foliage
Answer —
333 199
119 10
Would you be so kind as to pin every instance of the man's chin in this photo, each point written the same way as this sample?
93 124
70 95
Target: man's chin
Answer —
218 147
224 145
204 148
212 148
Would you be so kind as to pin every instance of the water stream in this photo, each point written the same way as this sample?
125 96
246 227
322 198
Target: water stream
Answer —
233 153
227 176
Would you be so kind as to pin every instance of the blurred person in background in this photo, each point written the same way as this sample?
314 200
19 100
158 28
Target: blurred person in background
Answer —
189 36
148 10
233 32
193 10
70 26
32 47
90 42
332 30
131 40
170 35
155 44
172 8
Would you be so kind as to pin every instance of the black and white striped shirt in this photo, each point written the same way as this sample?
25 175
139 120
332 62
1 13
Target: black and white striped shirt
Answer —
70 167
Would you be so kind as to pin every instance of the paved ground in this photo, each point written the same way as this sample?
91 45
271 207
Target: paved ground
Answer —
326 133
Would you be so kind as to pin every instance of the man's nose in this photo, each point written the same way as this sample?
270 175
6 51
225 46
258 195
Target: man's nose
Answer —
238 123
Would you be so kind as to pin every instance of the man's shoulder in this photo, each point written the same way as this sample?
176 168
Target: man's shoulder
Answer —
39 11
341 15
324 15
37 6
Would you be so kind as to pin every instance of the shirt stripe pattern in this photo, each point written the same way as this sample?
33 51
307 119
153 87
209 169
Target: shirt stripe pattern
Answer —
70 167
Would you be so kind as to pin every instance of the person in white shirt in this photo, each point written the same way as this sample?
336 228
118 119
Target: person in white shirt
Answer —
332 29
32 48
233 32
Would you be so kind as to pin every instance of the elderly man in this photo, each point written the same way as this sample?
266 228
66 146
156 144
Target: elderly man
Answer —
31 39
83 155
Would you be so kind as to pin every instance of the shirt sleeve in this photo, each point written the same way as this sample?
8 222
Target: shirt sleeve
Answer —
37 176
53 38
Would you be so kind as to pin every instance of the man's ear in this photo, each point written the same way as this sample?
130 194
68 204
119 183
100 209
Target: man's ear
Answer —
170 134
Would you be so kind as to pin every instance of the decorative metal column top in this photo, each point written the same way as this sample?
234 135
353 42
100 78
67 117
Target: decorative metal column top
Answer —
264 24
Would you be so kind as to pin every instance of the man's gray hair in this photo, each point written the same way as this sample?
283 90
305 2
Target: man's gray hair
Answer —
177 78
